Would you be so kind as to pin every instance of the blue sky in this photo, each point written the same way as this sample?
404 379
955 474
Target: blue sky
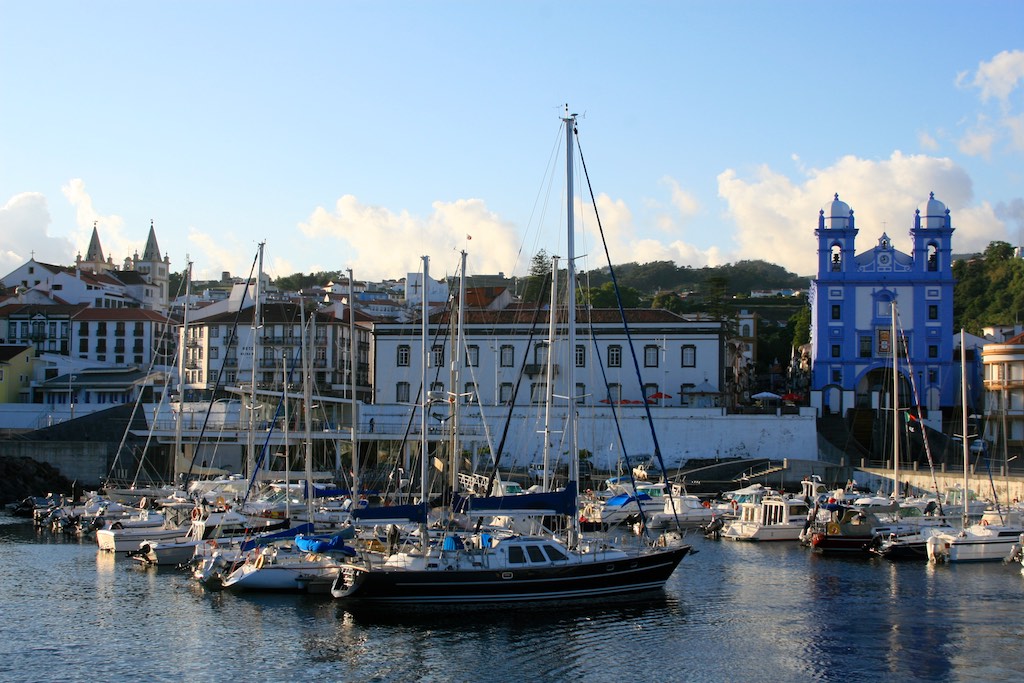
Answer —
364 135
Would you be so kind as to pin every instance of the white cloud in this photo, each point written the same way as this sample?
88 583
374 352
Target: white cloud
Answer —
24 223
109 228
1015 126
978 141
379 243
623 244
776 216
927 141
999 77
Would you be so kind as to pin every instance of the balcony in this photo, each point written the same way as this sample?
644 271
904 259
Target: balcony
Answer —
534 369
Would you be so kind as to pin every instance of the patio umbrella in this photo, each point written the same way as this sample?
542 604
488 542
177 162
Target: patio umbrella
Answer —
791 396
765 395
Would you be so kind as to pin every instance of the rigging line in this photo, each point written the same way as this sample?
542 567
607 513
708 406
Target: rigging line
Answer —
922 426
618 428
270 431
515 393
421 400
233 339
164 335
622 313
543 192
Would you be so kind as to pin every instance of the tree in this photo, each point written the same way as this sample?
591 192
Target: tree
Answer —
800 324
668 301
538 281
604 296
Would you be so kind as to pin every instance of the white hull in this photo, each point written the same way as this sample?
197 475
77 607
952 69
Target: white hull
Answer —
752 531
129 539
975 544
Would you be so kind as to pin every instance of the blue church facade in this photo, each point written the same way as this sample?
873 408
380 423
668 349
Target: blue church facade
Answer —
853 300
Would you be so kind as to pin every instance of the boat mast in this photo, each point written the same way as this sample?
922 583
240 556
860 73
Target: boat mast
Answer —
456 375
307 395
895 407
181 375
570 288
424 401
287 464
256 314
963 401
352 385
549 393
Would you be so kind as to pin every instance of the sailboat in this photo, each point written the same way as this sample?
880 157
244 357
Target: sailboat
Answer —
994 537
499 565
310 563
908 541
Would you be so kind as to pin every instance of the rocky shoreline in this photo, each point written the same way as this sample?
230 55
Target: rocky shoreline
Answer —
24 477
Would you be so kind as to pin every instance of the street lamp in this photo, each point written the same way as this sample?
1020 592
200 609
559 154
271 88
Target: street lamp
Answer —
71 395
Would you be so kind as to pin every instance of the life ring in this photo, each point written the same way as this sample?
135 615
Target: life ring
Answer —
220 501
832 529
259 561
196 514
735 505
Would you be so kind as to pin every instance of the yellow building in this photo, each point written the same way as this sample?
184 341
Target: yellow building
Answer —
15 372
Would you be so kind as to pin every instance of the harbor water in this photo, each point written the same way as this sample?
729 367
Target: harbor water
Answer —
731 612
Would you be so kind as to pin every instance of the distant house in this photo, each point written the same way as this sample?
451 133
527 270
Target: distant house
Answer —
16 362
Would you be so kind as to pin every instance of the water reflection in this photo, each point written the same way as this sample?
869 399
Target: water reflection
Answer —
731 612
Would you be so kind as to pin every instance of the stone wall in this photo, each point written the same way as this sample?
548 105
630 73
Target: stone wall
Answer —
81 461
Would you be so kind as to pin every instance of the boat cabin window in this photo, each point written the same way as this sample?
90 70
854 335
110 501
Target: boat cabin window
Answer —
515 555
536 554
554 553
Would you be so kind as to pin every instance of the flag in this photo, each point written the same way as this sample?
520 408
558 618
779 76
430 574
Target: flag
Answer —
469 237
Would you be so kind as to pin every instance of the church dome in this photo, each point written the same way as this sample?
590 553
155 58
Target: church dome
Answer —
838 213
934 213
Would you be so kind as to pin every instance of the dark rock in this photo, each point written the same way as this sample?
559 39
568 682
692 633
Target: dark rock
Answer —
24 477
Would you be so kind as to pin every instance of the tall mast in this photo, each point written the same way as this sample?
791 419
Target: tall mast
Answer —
963 401
352 385
256 315
549 393
181 372
457 362
570 289
287 460
895 407
307 395
424 400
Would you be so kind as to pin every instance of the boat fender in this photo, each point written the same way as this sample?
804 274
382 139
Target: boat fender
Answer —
195 513
832 529
259 561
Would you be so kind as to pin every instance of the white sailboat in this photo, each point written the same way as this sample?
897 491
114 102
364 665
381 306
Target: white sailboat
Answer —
307 563
994 537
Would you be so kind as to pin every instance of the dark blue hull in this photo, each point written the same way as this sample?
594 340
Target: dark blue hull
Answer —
566 581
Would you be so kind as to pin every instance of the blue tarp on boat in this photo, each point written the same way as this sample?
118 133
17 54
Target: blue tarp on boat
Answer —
323 544
277 536
551 502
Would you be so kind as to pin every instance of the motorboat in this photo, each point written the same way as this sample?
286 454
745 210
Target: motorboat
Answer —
775 518
990 540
